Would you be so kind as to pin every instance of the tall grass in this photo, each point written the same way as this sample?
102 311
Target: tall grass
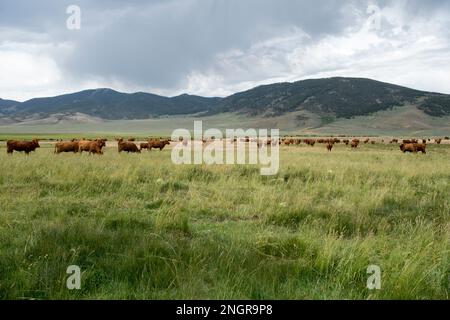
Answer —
140 227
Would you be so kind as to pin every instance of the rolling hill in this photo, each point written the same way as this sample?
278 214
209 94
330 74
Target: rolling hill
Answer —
7 106
111 104
335 97
332 103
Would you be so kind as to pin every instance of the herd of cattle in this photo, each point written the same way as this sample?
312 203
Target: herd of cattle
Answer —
96 146
91 146
406 145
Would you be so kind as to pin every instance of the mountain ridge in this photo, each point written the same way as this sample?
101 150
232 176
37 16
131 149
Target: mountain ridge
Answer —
336 97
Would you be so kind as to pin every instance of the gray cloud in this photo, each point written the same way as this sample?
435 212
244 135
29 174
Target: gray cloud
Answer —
217 46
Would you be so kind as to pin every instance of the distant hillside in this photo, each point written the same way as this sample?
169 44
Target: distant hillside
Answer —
110 104
7 106
338 97
329 99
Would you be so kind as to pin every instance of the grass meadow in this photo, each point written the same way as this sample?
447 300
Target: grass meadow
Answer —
141 227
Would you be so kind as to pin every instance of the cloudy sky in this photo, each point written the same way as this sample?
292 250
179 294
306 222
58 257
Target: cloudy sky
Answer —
218 47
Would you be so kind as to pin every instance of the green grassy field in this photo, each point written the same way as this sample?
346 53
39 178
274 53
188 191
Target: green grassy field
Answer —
141 227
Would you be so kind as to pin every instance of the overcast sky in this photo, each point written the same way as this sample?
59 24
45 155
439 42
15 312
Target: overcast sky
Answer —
218 47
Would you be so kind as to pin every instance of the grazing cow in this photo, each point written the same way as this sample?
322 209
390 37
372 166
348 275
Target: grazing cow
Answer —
95 147
145 145
355 143
438 141
447 138
330 146
158 144
346 141
85 145
26 146
127 146
310 142
394 141
131 139
366 141
413 147
70 146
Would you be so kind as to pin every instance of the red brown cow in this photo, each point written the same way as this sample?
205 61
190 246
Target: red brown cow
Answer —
145 145
70 146
95 147
354 144
127 146
157 144
91 146
25 146
330 146
413 147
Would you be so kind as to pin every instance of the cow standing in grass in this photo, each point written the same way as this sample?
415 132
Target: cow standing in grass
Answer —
92 146
96 147
22 146
413 147
355 143
158 144
70 146
144 145
330 146
127 146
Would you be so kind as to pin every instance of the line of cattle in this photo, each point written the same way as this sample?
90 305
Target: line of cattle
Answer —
406 145
96 146
91 146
